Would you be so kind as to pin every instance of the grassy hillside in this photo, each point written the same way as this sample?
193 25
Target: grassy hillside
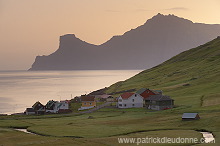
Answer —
193 74
191 78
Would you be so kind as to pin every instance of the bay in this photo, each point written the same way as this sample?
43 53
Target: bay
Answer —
21 89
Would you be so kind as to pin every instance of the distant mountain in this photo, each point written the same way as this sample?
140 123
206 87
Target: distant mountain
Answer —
160 38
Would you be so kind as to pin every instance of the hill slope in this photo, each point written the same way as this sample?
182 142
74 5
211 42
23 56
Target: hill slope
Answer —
193 73
159 39
192 79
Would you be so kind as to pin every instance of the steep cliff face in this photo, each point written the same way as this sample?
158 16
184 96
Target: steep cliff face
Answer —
71 50
160 38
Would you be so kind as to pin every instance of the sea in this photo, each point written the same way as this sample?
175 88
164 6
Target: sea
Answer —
21 89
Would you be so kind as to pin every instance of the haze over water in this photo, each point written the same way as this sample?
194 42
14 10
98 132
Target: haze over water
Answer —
21 89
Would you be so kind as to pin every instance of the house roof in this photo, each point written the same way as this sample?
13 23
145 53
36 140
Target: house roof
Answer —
159 97
158 91
42 109
189 115
126 95
141 90
87 98
37 104
145 92
104 96
64 101
50 103
60 104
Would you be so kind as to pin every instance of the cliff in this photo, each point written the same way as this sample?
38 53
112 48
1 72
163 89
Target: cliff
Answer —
159 39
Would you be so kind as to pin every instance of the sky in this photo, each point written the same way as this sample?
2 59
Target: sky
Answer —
32 27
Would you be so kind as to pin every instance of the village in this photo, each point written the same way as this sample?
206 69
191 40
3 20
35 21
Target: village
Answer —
143 98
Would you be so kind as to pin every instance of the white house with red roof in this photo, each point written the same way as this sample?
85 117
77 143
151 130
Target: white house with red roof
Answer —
130 100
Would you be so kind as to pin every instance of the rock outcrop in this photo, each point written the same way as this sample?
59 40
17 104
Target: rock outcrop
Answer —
159 39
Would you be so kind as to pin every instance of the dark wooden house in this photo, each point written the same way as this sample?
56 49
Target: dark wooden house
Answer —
39 108
159 102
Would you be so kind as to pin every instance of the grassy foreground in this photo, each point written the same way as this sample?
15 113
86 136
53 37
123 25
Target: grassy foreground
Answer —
106 127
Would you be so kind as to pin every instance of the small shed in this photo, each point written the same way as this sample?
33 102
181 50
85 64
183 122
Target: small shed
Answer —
104 98
29 111
190 116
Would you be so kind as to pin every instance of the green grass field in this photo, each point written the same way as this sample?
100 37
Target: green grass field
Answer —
191 78
106 127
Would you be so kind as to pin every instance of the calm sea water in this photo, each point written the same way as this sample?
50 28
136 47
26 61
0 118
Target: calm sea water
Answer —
21 89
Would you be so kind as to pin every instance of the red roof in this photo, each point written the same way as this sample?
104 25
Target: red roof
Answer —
126 95
147 93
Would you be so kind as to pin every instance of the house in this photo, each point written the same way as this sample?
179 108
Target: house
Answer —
145 93
39 108
30 111
55 106
104 98
130 100
87 102
63 106
50 107
110 98
159 102
190 116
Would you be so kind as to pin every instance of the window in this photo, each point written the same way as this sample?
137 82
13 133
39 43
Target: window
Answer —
133 100
135 95
84 103
120 100
90 103
125 105
120 105
132 104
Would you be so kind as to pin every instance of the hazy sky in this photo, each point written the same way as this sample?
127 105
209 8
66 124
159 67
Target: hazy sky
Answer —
32 27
